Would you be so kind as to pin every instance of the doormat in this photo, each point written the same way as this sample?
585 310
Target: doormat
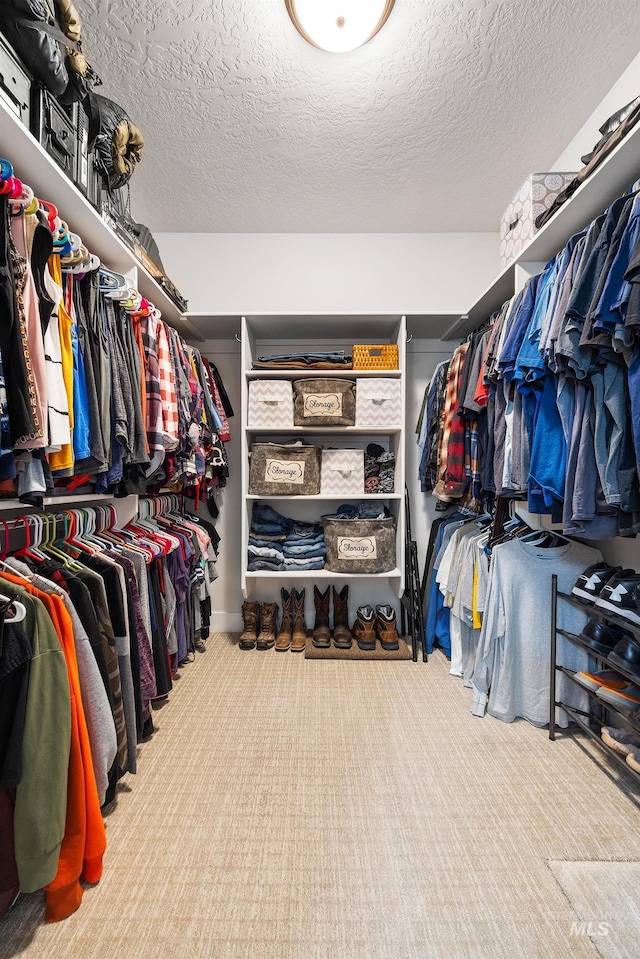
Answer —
604 899
356 653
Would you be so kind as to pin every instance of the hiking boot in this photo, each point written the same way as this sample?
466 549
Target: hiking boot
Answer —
321 638
299 635
364 628
283 639
268 625
251 623
617 595
590 583
341 633
386 627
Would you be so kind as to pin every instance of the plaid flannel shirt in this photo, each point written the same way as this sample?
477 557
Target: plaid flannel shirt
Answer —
168 395
451 472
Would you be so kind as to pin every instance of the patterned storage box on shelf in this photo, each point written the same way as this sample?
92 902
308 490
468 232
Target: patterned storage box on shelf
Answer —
324 401
517 226
270 404
381 356
378 402
278 470
342 472
360 545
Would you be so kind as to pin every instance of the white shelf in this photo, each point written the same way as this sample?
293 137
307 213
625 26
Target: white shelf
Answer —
328 498
318 574
320 374
59 502
34 166
262 335
611 179
327 430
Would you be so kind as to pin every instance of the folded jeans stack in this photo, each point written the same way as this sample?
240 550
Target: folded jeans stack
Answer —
278 543
332 360
304 547
267 536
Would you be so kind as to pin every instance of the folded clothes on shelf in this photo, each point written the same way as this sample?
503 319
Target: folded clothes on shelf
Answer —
277 542
379 469
332 360
361 511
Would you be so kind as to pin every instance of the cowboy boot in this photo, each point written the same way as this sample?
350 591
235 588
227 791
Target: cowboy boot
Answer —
341 631
251 623
321 633
268 625
364 628
299 636
283 640
386 627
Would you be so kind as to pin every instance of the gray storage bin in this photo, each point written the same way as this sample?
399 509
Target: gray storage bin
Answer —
324 401
360 545
277 470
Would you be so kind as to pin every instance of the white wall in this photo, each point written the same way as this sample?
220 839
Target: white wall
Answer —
627 88
311 273
238 273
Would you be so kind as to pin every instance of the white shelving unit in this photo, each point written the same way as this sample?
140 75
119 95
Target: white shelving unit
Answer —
34 166
282 333
611 179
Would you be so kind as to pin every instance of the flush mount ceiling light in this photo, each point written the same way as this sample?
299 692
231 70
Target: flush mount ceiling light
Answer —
338 25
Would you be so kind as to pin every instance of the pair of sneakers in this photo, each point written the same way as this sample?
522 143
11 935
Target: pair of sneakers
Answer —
376 624
611 589
624 743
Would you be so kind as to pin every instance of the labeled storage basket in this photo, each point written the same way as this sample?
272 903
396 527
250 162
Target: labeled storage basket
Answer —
324 401
383 356
360 545
270 404
342 472
284 470
378 402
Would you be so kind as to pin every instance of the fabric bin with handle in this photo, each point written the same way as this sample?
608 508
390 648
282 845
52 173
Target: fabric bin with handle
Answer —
517 226
281 470
360 545
342 472
270 404
324 401
378 402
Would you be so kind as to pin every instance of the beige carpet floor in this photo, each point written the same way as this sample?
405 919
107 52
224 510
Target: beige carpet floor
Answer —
294 809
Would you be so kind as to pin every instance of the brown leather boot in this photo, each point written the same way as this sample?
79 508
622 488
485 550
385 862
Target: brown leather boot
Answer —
268 625
386 627
321 633
251 622
299 637
283 639
341 631
364 628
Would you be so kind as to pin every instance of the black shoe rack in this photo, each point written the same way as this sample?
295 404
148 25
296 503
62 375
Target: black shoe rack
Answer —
600 713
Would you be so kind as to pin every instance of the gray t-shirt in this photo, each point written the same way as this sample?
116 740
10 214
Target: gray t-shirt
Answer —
511 674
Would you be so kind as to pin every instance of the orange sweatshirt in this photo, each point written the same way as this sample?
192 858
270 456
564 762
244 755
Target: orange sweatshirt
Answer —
84 840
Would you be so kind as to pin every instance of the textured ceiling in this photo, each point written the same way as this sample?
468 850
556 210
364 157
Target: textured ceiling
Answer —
430 127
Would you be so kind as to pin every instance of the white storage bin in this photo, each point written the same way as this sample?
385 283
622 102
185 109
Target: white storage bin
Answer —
378 402
518 226
342 472
270 404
